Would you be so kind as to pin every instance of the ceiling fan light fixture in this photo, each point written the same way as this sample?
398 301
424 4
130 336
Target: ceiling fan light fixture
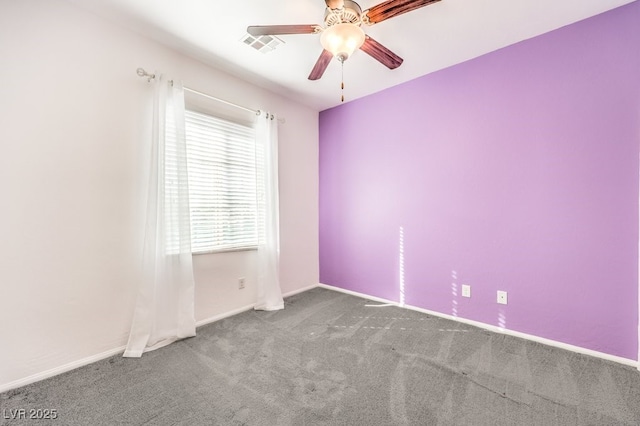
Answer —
342 40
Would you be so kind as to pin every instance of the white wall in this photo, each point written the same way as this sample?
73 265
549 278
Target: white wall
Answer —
74 141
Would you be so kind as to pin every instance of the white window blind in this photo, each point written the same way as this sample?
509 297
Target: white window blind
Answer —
221 160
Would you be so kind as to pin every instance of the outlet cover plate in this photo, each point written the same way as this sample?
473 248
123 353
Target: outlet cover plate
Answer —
502 297
466 290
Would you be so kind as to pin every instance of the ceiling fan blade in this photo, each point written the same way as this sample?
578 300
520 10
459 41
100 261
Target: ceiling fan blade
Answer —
334 4
259 30
381 53
391 8
321 65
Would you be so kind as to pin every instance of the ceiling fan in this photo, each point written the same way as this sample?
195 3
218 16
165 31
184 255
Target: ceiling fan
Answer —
342 33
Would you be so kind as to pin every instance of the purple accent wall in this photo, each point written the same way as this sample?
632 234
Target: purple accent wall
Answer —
515 171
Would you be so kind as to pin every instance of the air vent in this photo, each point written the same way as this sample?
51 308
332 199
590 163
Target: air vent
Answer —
264 43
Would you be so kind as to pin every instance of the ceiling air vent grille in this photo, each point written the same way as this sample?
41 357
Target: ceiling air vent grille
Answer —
264 43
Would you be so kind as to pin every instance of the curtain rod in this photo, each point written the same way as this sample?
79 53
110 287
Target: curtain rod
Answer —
222 101
142 73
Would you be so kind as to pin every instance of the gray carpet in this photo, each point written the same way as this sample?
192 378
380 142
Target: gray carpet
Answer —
327 359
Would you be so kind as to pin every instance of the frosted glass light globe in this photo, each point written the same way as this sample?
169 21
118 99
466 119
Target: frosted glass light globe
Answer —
342 40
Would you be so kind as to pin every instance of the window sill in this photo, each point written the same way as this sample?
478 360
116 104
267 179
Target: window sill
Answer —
229 250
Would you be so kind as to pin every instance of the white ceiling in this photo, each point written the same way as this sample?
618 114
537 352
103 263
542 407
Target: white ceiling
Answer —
429 39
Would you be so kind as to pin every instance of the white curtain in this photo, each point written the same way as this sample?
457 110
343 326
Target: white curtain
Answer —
269 293
164 309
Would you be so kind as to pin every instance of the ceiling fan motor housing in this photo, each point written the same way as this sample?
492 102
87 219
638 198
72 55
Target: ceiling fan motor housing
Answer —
351 13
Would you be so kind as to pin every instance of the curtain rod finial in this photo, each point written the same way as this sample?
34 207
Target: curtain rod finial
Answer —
142 73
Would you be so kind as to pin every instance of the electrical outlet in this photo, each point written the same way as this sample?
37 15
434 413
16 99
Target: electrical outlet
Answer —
240 283
502 297
466 290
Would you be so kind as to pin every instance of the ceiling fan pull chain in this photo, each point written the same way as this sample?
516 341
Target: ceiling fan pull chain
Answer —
342 84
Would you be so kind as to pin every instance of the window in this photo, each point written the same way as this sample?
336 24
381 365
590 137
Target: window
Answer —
221 162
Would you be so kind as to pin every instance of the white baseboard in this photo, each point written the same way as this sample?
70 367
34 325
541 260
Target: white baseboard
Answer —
247 307
61 369
225 315
300 290
98 357
493 328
